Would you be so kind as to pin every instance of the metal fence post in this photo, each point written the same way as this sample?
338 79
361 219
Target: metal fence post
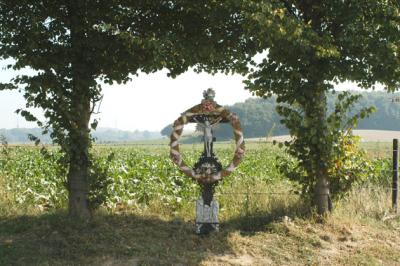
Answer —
395 174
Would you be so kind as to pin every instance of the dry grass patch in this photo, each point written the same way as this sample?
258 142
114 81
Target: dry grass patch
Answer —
279 231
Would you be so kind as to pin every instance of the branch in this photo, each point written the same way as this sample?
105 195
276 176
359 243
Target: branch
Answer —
290 9
7 86
100 100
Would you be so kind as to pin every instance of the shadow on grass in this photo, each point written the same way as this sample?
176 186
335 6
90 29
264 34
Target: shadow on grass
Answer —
53 239
116 239
260 221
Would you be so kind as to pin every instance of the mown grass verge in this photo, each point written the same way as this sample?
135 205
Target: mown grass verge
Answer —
284 234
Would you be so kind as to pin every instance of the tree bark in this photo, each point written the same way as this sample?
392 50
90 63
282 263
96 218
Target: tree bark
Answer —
79 137
322 198
78 191
321 191
315 115
79 169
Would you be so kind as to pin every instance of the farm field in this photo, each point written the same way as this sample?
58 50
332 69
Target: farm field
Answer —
366 135
378 143
88 74
148 215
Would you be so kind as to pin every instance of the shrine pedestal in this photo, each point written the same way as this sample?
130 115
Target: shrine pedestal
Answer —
206 217
207 211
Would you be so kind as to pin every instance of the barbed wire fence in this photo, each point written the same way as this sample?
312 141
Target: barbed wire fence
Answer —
376 150
388 176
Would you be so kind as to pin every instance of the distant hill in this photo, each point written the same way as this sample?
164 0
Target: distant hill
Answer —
259 118
102 135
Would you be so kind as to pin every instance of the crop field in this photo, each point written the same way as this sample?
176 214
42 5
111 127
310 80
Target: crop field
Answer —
378 143
141 175
148 214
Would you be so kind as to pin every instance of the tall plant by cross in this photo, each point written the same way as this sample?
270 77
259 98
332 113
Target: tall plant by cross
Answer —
75 46
310 46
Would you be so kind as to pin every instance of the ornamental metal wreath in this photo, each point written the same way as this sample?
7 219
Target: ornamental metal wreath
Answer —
207 170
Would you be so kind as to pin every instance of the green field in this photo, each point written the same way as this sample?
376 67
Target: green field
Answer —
148 216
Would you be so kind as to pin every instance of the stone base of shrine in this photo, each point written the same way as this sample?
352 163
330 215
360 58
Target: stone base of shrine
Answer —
206 217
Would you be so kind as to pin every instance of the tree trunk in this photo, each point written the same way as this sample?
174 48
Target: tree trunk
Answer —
79 137
78 191
322 198
321 191
79 171
315 115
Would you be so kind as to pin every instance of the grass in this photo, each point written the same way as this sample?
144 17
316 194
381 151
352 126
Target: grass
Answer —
283 234
378 149
275 228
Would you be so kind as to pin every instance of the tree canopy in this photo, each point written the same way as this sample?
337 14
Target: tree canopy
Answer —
76 46
310 46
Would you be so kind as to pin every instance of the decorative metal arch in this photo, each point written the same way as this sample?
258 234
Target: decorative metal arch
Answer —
214 113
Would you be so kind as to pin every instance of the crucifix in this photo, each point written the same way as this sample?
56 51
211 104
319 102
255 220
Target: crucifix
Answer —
207 170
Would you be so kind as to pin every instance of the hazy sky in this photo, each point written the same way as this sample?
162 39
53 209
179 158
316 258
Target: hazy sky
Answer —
148 102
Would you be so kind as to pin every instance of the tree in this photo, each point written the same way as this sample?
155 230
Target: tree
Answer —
310 46
167 130
75 46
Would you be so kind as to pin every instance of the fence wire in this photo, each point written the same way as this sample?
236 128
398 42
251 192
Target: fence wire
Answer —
374 151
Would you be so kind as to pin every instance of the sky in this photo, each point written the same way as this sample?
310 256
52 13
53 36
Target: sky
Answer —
148 102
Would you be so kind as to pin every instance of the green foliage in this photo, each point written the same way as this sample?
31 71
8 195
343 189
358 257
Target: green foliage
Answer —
125 176
321 43
344 163
308 47
351 166
4 145
259 116
34 178
76 46
167 130
99 181
383 173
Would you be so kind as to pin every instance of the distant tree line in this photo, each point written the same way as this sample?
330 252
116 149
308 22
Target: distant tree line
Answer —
259 118
101 135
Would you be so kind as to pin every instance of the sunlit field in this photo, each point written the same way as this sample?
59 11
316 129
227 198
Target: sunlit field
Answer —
148 215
